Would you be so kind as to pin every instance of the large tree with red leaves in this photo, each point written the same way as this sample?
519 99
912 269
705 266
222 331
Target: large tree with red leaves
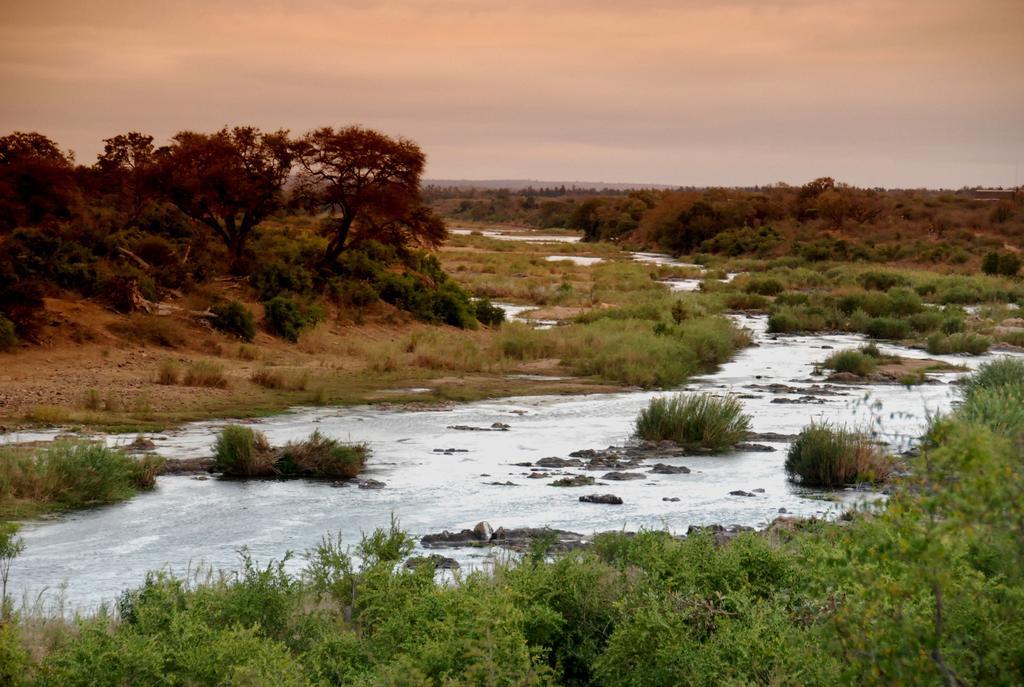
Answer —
369 184
230 181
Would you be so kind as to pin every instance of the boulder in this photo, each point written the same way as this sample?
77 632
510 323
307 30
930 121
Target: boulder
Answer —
609 499
623 476
483 531
554 462
573 481
662 469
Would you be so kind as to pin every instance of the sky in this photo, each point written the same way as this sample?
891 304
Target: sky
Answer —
894 93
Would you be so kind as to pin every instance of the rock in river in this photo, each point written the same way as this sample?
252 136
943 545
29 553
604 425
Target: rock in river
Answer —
609 499
574 481
662 469
623 476
434 560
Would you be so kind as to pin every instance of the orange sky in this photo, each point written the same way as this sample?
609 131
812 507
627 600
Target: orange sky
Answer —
891 93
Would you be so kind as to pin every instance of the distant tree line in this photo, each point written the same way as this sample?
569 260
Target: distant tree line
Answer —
820 220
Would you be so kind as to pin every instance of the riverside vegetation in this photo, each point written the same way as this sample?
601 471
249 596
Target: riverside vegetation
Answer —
924 588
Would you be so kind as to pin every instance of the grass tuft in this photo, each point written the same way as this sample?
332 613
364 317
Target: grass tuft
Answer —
695 421
830 457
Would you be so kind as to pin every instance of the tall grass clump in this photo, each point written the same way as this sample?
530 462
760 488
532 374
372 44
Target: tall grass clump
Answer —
695 421
994 397
169 372
241 452
205 373
1001 372
853 361
320 456
71 475
830 457
271 378
971 343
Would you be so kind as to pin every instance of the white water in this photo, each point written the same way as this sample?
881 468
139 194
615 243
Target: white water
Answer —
97 553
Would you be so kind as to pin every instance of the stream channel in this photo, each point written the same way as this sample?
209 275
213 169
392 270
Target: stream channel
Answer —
85 558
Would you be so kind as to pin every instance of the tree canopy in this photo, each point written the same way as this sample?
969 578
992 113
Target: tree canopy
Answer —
369 184
230 180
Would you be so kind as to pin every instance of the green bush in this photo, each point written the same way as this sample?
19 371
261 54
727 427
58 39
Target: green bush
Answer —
1000 372
963 342
241 452
887 328
286 318
695 421
233 318
487 313
882 281
852 361
765 286
830 457
320 456
278 278
69 474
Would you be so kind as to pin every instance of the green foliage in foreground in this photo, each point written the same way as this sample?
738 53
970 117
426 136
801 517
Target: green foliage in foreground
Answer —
925 589
68 475
695 421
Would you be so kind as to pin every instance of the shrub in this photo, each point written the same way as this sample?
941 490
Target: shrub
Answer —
882 281
234 318
320 456
783 322
695 421
169 372
7 338
746 301
241 452
887 328
352 292
487 313
287 319
856 362
74 474
276 278
830 457
205 373
997 373
963 342
270 378
765 286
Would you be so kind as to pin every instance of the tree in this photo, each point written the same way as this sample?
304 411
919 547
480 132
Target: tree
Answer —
230 181
36 181
127 167
369 183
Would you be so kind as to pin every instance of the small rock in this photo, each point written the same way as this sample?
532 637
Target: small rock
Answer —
371 484
502 484
538 475
609 499
501 426
670 498
559 463
662 469
574 481
623 476
759 490
758 448
783 510
740 492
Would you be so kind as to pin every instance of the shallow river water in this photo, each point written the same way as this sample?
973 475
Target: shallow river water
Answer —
97 553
